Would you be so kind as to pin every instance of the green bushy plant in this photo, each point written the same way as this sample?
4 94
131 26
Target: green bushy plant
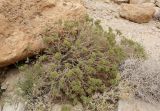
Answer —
82 59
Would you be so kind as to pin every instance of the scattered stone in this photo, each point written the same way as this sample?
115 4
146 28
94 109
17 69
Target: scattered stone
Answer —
137 13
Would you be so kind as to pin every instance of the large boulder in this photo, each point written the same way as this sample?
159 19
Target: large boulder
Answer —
137 13
24 21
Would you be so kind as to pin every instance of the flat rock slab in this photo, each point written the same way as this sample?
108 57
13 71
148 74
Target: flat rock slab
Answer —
136 105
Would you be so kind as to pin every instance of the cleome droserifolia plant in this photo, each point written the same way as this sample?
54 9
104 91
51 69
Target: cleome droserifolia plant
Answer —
81 59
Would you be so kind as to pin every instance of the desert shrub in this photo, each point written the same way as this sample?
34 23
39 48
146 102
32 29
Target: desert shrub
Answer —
31 78
82 59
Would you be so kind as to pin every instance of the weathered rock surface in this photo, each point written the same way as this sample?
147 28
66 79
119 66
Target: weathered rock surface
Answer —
23 22
137 13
